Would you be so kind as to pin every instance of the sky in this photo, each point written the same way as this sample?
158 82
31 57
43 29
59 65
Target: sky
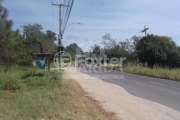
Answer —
122 19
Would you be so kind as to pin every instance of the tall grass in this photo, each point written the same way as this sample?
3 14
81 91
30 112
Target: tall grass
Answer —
25 94
173 74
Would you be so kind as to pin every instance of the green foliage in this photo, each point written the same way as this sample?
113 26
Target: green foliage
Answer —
50 35
124 48
13 51
158 50
152 49
37 41
17 49
73 49
96 51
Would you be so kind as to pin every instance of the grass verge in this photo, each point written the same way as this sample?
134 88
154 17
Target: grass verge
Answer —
26 94
172 74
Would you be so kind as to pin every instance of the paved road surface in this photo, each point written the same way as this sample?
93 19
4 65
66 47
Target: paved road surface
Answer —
157 90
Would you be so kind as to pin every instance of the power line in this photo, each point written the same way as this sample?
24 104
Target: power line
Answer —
103 30
68 11
63 13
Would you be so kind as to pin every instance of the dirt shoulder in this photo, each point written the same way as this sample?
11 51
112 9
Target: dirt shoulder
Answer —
113 98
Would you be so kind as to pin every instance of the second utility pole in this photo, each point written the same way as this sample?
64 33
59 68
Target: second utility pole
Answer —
145 29
60 32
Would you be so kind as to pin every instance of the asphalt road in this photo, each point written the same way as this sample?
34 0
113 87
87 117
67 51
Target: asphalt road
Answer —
161 91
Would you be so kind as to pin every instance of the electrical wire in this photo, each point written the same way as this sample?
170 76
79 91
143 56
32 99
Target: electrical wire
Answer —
63 13
68 11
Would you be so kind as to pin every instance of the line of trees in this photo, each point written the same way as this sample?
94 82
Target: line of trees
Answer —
152 50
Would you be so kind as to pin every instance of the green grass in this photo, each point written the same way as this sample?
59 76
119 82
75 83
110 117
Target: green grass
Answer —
173 74
52 65
25 94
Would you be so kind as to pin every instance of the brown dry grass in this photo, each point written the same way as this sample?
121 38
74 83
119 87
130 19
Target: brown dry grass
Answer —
95 104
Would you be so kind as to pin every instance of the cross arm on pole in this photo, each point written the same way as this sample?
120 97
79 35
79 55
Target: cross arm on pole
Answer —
55 4
60 5
145 30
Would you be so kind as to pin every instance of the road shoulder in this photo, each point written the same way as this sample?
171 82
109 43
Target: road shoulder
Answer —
115 99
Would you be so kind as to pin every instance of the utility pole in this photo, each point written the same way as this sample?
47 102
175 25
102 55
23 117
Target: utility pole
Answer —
145 29
60 31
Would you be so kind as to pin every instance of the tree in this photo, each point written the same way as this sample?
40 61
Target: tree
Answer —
96 50
34 37
114 49
3 11
49 43
158 50
38 41
13 51
135 40
50 35
73 49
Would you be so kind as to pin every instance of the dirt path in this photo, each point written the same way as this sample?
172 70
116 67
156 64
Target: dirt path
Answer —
115 99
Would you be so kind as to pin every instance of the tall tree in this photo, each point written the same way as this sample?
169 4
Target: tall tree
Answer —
38 41
5 37
13 51
158 50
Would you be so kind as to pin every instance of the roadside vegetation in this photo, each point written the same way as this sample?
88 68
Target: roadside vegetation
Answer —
25 93
172 74
154 53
